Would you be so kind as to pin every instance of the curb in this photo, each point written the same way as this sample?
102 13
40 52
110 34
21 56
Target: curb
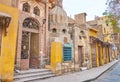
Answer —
101 73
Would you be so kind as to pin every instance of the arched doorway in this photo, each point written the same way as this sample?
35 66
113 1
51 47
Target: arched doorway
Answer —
30 43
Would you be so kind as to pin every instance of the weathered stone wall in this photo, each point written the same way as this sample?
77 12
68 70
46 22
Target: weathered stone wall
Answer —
80 18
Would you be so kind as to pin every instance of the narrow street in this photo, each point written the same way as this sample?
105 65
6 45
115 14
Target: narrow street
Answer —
81 76
112 75
59 41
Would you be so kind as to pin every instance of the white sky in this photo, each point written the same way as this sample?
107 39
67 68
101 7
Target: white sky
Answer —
91 7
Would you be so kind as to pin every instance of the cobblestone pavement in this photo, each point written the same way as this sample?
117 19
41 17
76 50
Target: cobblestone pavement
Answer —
80 76
113 75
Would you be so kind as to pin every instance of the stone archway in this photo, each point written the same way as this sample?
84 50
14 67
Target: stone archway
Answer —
30 43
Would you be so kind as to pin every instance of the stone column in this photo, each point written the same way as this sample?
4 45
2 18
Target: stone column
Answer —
46 30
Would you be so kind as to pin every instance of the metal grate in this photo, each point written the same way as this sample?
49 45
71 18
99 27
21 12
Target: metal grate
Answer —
67 53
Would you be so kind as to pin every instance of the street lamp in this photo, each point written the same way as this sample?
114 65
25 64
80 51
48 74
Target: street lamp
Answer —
43 23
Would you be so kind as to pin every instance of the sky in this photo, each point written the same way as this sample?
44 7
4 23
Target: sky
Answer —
91 7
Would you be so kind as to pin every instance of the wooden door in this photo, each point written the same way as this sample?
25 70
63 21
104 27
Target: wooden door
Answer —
93 50
34 51
80 55
99 55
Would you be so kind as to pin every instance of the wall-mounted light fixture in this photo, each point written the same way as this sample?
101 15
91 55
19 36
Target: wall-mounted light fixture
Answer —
44 21
5 21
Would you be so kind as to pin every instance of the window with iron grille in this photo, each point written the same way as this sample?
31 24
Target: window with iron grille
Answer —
30 23
25 45
67 52
26 7
54 30
36 11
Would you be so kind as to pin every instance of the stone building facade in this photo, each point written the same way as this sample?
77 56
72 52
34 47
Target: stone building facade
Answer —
58 24
103 41
109 36
32 34
83 40
81 48
92 41
59 32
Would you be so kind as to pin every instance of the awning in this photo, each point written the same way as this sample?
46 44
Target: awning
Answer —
98 40
4 15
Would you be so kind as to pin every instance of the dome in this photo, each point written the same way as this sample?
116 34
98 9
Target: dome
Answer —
58 15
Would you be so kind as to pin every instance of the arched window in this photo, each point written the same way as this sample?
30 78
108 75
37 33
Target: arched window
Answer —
54 30
82 32
30 23
36 11
26 7
64 31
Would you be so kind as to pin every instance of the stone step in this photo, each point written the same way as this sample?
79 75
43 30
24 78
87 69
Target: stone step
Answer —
30 71
32 78
31 74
